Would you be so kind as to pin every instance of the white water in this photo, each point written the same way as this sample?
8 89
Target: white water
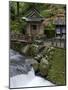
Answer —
28 80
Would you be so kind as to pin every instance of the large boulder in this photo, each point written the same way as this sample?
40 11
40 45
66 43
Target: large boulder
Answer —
44 66
44 51
35 65
38 57
51 49
50 52
30 49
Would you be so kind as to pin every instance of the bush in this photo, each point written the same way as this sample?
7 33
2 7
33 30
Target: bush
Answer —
18 26
50 31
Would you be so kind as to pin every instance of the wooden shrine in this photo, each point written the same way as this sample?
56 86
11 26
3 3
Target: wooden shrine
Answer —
34 27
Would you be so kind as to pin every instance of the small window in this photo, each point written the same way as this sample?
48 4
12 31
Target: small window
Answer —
34 27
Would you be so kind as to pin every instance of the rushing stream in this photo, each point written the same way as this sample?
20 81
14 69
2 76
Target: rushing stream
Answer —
22 73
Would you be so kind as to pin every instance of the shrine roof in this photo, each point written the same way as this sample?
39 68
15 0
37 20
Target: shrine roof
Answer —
33 15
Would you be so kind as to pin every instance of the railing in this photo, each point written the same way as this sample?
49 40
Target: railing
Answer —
17 36
20 38
61 43
58 42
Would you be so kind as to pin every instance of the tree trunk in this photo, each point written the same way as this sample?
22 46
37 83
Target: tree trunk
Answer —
18 9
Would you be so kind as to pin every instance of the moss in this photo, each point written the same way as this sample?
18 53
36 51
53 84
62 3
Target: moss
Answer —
56 73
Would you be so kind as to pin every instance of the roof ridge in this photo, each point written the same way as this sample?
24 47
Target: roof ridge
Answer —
30 13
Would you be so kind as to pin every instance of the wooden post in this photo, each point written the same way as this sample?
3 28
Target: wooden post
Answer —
56 42
18 9
65 42
60 41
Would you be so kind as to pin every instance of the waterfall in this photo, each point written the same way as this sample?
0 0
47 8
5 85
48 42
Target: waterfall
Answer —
18 64
22 74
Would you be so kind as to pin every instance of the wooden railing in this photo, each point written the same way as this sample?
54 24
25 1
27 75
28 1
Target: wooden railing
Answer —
20 38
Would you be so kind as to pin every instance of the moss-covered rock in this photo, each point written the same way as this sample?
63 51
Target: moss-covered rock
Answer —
44 66
25 49
48 52
44 51
38 57
35 65
33 50
30 50
51 50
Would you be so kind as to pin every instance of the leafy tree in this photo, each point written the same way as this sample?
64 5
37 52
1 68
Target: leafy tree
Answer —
12 11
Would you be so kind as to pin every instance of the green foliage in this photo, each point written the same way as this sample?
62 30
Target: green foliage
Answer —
50 30
50 33
17 26
50 26
12 10
14 25
47 13
16 46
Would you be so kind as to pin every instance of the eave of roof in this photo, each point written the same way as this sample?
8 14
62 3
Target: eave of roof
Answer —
32 19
